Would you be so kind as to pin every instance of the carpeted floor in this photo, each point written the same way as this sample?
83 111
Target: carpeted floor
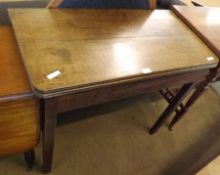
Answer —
113 139
213 168
216 87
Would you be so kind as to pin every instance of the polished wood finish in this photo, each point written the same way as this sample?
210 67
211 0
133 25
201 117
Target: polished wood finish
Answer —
104 55
116 41
19 109
116 92
13 77
19 126
205 23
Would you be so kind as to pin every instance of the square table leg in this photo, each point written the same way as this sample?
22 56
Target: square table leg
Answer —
50 119
49 126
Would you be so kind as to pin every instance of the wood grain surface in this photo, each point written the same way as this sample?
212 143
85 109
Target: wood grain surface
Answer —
19 110
93 47
13 79
19 126
204 21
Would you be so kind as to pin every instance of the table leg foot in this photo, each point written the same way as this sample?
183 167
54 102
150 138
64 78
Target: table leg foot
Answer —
170 128
29 158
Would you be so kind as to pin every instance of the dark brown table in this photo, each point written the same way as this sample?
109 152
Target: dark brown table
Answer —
79 58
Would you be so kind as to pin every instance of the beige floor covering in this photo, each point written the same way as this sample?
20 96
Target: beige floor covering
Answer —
213 168
113 139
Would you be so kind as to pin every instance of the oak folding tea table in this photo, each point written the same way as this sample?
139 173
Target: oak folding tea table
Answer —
78 58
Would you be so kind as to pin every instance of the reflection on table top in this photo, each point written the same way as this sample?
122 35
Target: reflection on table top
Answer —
76 49
205 21
208 3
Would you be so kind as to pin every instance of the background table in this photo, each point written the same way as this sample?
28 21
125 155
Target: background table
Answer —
79 58
205 23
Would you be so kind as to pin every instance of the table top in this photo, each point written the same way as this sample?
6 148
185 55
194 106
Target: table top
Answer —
13 78
208 3
205 22
71 50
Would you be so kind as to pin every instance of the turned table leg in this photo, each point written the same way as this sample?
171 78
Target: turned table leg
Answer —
171 107
198 92
49 126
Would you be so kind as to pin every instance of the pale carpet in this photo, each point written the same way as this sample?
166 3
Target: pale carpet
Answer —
113 139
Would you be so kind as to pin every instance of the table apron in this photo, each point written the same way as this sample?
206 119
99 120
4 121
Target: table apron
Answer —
116 92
